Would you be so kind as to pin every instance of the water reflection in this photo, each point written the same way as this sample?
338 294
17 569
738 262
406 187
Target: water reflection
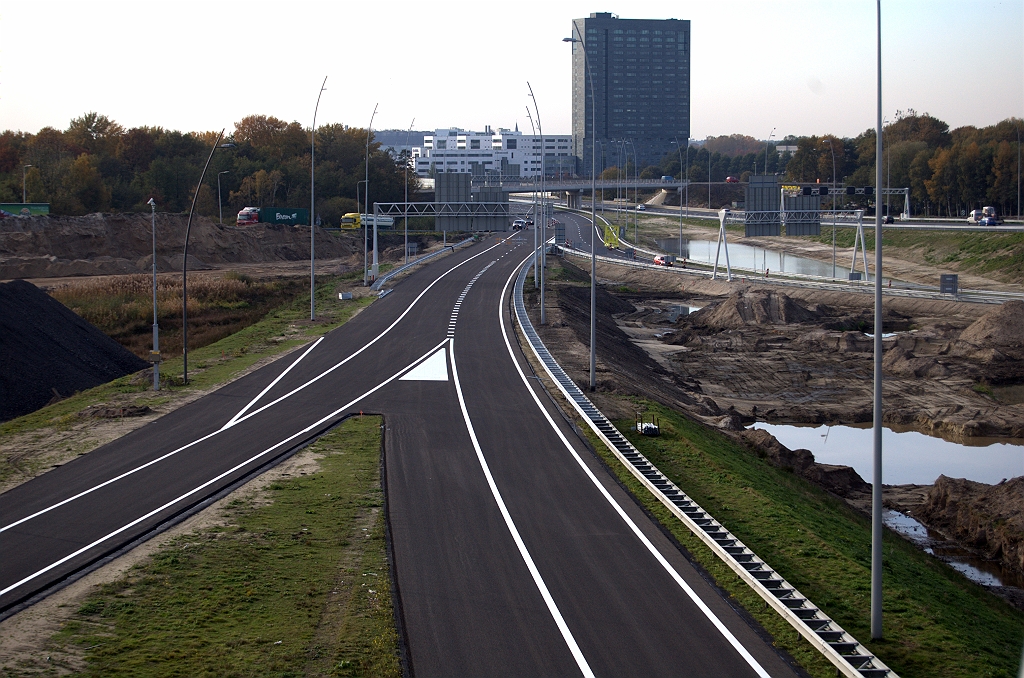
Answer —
984 572
908 457
754 258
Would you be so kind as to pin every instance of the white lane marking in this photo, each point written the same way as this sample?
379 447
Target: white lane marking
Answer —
434 368
231 422
223 475
462 297
253 413
753 663
577 654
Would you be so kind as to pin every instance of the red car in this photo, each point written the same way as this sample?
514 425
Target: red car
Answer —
732 180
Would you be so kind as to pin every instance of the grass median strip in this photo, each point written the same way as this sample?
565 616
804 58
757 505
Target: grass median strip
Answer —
294 581
937 623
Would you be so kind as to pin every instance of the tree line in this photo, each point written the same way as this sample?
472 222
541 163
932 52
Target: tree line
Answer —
96 165
948 172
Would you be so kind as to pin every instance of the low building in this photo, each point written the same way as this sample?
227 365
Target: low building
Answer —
501 153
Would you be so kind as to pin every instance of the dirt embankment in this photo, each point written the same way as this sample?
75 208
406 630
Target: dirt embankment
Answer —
986 518
104 244
772 357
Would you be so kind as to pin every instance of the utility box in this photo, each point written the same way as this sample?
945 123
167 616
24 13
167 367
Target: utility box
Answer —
949 283
762 207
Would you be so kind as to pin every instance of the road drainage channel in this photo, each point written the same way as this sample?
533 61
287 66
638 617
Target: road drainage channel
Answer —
842 649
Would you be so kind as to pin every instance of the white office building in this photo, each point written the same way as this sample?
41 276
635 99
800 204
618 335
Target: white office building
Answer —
501 153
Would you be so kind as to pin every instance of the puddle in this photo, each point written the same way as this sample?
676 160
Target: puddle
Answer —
754 258
907 457
984 572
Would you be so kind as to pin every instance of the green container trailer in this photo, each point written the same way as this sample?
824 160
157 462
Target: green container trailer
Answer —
284 215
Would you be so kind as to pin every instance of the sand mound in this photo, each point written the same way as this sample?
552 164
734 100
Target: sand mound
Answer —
47 352
113 244
1002 327
758 307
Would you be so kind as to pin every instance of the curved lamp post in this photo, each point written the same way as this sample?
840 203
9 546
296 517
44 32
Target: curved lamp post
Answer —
593 215
184 262
312 208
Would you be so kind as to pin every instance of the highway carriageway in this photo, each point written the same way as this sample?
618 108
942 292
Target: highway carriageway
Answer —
514 550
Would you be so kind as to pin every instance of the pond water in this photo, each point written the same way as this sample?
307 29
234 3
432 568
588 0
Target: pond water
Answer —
755 258
984 572
908 457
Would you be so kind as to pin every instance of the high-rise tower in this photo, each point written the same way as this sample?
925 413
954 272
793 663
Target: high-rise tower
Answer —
641 75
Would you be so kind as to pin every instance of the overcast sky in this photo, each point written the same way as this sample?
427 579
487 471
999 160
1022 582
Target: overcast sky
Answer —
800 66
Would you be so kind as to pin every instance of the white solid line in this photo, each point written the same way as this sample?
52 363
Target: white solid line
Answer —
753 663
231 422
577 654
222 475
287 395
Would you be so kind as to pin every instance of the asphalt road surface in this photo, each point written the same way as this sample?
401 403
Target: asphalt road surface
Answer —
515 551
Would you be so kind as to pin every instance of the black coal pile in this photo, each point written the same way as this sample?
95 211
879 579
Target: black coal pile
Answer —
47 352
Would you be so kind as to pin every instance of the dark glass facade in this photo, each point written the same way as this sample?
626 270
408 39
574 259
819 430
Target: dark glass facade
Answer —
641 80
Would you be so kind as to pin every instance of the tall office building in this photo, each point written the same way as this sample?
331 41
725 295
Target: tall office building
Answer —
641 79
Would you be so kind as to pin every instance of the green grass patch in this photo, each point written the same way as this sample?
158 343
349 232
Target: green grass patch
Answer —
937 623
299 586
980 253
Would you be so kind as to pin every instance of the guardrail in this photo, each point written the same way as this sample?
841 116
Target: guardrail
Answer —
379 282
844 651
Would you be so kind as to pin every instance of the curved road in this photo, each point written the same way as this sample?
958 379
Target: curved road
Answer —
515 552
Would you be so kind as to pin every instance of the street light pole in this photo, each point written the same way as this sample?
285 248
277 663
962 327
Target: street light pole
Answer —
876 484
681 173
156 328
25 168
766 144
593 213
184 260
366 200
220 205
406 215
312 207
543 210
833 208
536 217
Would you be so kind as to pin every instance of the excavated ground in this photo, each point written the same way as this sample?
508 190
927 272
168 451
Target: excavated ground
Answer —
797 356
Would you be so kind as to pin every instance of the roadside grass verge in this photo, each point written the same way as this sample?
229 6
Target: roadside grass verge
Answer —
296 583
937 623
280 330
996 255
